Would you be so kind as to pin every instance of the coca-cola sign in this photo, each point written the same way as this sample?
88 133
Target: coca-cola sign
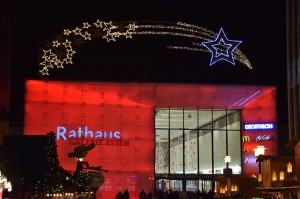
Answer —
263 138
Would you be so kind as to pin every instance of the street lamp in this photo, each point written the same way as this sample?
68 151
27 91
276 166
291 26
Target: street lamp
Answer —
259 150
289 169
227 160
227 172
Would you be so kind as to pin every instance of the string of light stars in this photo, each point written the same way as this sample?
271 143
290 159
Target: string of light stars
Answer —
60 50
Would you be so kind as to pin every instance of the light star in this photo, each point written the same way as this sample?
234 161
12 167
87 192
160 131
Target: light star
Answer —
219 45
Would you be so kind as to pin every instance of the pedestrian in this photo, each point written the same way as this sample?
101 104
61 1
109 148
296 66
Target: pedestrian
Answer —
143 194
149 195
119 195
126 194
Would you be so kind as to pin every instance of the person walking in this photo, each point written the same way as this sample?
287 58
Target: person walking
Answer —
149 195
126 194
143 194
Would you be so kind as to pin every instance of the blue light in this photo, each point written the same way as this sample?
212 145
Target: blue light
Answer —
221 42
259 126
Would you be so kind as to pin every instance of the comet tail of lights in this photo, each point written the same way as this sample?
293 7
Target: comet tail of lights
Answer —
4 183
60 50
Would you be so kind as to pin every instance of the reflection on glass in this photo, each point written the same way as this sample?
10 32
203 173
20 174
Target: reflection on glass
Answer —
176 185
176 118
162 118
190 119
205 185
162 184
205 152
162 151
176 151
197 139
190 151
219 119
219 150
205 119
234 149
192 185
233 120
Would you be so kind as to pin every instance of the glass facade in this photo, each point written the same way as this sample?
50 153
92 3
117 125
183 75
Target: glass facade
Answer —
190 146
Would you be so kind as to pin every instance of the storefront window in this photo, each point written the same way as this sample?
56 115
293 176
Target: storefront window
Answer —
190 151
192 185
176 118
176 151
219 150
234 149
192 142
205 152
162 151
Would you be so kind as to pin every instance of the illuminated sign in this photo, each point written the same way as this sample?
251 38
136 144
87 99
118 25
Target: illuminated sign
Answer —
259 126
263 138
246 138
249 160
251 148
100 142
222 48
61 133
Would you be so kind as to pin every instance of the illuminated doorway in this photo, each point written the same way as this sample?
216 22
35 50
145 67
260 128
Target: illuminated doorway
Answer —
190 146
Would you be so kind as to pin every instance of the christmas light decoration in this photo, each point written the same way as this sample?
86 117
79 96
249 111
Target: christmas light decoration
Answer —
215 47
54 179
64 45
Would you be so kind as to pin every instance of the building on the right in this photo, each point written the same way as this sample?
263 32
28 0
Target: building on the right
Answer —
293 65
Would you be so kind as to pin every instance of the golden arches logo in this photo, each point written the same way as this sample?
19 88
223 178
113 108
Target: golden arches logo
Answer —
246 138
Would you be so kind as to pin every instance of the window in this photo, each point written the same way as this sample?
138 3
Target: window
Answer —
192 142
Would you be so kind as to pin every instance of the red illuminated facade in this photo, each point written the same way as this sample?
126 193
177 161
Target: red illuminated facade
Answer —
124 113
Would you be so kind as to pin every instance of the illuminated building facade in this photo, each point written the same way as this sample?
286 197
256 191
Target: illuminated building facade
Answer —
155 135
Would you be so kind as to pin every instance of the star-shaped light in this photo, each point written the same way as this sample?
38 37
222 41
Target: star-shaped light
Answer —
217 46
131 27
86 36
44 71
86 25
127 34
55 43
108 26
109 37
77 31
67 32
98 23
67 44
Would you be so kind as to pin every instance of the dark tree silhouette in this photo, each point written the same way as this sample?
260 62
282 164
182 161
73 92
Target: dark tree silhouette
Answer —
55 178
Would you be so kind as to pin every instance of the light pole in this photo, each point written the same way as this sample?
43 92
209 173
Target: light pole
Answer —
258 151
227 172
289 169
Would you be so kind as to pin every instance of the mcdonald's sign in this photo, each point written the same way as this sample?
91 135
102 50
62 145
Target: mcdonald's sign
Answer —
246 138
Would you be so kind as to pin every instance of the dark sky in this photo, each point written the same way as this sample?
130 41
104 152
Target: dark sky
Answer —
259 24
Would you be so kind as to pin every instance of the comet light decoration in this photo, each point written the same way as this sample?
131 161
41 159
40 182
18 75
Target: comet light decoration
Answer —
59 51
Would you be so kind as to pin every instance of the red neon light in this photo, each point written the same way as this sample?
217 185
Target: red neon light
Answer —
261 110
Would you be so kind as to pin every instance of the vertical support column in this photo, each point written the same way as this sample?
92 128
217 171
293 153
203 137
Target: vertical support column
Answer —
266 173
297 159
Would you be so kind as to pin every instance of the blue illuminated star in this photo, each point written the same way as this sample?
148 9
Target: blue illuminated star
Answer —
222 48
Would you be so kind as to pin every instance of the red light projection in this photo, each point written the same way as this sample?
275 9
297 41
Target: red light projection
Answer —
122 116
258 111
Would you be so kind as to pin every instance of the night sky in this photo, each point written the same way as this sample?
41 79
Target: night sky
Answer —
259 24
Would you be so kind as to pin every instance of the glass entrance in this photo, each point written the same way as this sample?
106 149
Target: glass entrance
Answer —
190 143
